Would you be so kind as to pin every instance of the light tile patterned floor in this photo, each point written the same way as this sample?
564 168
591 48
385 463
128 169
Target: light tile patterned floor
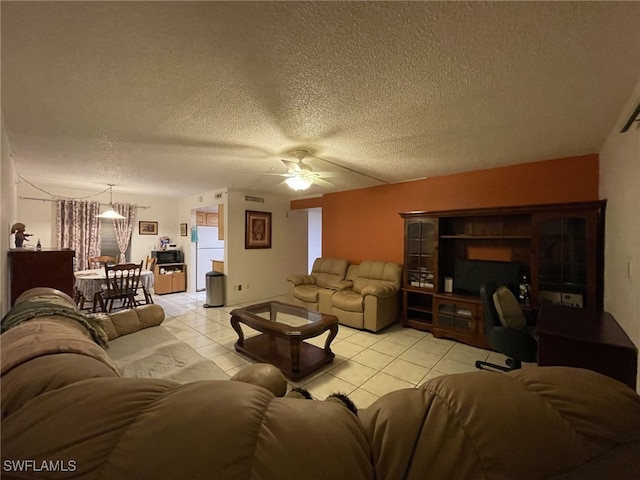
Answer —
367 365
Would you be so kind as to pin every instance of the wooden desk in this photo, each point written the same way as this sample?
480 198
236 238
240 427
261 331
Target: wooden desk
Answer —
575 337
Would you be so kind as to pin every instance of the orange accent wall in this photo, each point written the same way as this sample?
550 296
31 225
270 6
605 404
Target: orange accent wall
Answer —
364 224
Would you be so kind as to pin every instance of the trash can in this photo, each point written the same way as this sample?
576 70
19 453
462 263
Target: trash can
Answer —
215 290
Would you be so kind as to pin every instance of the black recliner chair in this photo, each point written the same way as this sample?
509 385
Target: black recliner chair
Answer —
518 345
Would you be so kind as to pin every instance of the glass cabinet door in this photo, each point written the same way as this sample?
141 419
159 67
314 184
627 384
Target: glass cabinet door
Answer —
564 270
458 317
421 253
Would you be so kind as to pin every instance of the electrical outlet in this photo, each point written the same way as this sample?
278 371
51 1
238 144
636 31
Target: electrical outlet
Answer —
239 287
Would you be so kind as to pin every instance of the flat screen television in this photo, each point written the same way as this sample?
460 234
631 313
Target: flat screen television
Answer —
471 274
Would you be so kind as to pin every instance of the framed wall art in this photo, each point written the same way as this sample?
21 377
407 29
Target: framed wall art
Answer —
147 228
183 229
257 229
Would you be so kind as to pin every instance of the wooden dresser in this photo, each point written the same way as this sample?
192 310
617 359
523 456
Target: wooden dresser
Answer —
40 268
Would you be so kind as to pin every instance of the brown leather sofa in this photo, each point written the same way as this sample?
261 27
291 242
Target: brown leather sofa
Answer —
67 413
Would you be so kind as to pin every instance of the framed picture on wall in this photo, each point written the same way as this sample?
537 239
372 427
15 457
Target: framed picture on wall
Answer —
257 229
147 228
183 229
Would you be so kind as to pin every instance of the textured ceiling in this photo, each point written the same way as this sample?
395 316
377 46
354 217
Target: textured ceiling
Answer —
177 98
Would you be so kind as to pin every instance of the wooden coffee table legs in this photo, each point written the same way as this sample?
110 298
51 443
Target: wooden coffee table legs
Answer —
294 357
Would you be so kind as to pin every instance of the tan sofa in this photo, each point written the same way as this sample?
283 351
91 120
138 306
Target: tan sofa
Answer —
370 297
305 290
367 296
67 413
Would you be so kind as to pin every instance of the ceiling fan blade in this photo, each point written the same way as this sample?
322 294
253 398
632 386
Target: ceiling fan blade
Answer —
323 183
292 167
268 174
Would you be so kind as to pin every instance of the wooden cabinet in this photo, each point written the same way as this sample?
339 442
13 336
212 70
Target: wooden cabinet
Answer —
212 219
206 219
420 271
40 268
217 266
170 278
221 221
565 244
559 248
459 318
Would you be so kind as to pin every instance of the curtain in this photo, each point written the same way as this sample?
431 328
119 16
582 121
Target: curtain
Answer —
78 228
123 228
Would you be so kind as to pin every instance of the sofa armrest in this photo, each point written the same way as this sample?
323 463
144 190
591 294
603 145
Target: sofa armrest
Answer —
379 290
129 321
341 285
301 279
264 375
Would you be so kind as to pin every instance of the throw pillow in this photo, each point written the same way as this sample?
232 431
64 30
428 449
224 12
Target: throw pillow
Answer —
508 309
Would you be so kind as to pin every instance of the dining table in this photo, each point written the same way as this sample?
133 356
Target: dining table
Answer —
90 282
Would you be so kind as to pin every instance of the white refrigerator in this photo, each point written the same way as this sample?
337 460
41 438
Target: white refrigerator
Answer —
208 248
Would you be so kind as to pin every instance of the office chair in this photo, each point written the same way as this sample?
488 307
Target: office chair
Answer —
510 336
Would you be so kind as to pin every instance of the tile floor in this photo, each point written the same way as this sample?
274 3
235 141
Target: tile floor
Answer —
367 365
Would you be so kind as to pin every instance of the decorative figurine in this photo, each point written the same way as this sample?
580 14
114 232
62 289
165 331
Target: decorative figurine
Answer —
21 236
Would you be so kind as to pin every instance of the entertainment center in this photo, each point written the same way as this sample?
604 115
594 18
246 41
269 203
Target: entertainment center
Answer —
558 247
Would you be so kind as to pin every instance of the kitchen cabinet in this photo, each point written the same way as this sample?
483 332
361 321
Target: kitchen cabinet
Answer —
170 278
206 219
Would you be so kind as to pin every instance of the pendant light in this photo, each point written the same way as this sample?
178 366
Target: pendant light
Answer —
111 213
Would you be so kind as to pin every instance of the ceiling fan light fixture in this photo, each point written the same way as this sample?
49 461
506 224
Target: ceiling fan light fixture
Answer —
298 183
111 214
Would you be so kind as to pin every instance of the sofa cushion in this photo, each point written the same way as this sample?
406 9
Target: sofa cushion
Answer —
348 300
306 293
156 353
377 272
508 308
329 270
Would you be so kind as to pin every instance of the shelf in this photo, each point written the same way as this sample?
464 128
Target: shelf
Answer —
419 324
487 237
420 309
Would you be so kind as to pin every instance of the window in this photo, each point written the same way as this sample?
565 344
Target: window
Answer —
109 244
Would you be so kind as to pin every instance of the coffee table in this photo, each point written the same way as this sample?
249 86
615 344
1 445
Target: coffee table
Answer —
284 327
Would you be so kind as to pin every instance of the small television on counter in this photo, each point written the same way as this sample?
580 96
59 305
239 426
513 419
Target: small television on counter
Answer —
471 274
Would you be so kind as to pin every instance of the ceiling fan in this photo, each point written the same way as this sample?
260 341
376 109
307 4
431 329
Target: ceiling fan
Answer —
300 175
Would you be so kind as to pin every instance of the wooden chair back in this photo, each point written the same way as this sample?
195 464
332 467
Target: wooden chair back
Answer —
122 282
97 262
150 263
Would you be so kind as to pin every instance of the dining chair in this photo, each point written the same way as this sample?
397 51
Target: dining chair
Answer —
122 282
150 264
97 262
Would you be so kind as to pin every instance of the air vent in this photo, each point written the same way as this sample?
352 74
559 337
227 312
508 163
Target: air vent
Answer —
250 198
218 196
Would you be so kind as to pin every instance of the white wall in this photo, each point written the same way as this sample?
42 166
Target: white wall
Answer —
39 216
7 213
620 185
261 272
315 237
